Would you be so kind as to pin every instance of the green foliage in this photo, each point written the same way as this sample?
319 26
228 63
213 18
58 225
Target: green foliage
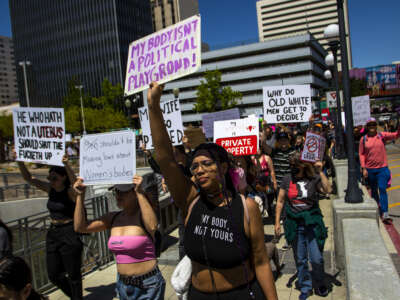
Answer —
6 126
101 113
211 97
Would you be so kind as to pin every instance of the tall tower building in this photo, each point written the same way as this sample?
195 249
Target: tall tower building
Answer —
168 12
87 40
8 79
283 18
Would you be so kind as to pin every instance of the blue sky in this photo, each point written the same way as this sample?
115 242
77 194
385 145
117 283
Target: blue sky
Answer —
374 26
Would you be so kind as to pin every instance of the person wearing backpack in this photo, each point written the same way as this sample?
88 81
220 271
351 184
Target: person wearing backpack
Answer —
133 237
374 163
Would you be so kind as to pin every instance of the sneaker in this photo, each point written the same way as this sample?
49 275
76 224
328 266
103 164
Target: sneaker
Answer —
321 291
286 247
385 218
304 296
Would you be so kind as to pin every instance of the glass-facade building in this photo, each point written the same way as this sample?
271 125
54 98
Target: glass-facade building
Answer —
87 40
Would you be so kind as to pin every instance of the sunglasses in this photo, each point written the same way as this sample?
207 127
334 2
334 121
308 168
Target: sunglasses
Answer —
52 178
372 125
205 164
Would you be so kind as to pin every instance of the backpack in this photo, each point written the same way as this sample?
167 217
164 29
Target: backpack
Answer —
380 136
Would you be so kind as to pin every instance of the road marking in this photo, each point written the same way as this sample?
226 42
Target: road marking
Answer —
394 167
395 175
394 204
396 187
394 160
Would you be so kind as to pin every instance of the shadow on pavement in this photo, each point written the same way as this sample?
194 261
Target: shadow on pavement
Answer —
101 292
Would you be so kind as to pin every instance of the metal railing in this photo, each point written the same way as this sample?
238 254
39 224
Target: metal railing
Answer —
30 242
30 237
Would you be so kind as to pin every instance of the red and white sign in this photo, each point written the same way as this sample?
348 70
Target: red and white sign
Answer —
314 148
239 137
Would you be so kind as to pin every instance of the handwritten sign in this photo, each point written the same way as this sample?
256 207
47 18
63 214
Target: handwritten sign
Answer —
314 148
361 110
163 56
39 135
173 121
287 104
108 158
239 137
210 118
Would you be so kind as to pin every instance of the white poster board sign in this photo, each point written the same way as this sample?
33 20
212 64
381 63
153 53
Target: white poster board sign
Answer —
239 137
163 56
314 147
331 99
361 110
287 104
108 158
39 135
173 121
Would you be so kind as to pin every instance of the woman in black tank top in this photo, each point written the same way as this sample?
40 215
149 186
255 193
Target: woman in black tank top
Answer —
63 244
224 236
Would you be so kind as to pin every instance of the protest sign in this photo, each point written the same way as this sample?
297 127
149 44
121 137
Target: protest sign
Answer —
39 135
287 104
163 56
361 110
314 147
108 158
239 137
331 99
210 118
173 121
195 136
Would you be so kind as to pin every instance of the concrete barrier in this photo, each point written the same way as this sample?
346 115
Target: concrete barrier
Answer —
370 272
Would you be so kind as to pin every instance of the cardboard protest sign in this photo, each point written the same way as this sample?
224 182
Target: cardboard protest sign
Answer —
165 55
361 110
39 135
314 148
287 104
108 158
173 121
239 137
210 118
195 136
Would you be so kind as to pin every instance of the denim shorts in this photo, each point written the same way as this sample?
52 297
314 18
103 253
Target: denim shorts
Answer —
152 288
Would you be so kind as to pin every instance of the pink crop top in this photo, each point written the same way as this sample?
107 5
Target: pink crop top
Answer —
130 249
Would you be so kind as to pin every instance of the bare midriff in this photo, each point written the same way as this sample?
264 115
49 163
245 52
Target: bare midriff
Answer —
136 269
225 279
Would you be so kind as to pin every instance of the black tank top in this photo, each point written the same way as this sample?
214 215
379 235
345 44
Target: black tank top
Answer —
223 231
60 205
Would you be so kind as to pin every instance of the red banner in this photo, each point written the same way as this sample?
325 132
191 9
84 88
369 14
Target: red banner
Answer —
241 145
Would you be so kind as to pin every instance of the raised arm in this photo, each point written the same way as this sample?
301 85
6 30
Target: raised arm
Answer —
272 171
40 184
80 222
149 217
181 188
70 172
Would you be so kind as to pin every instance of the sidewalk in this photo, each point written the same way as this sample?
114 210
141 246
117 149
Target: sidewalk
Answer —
100 285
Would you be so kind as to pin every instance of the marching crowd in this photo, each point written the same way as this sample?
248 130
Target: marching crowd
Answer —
222 200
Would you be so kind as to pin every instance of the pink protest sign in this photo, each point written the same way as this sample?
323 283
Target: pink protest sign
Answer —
163 56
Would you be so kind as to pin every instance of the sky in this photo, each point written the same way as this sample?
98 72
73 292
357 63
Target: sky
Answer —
374 27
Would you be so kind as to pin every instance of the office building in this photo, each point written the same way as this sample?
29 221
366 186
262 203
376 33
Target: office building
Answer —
8 78
62 40
283 18
249 68
168 12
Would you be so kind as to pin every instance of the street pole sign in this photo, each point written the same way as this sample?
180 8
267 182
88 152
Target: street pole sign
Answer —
331 99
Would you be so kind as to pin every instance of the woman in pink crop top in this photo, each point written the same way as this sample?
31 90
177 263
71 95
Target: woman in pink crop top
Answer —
131 240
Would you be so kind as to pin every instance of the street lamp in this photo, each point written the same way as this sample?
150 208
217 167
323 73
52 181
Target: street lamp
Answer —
128 105
23 64
353 192
80 87
331 33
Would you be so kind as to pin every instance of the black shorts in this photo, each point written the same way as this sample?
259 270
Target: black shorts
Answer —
239 293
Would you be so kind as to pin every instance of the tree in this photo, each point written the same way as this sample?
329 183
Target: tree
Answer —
101 113
212 97
6 133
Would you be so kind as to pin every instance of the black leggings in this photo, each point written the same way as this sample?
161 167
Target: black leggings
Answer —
64 257
239 293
